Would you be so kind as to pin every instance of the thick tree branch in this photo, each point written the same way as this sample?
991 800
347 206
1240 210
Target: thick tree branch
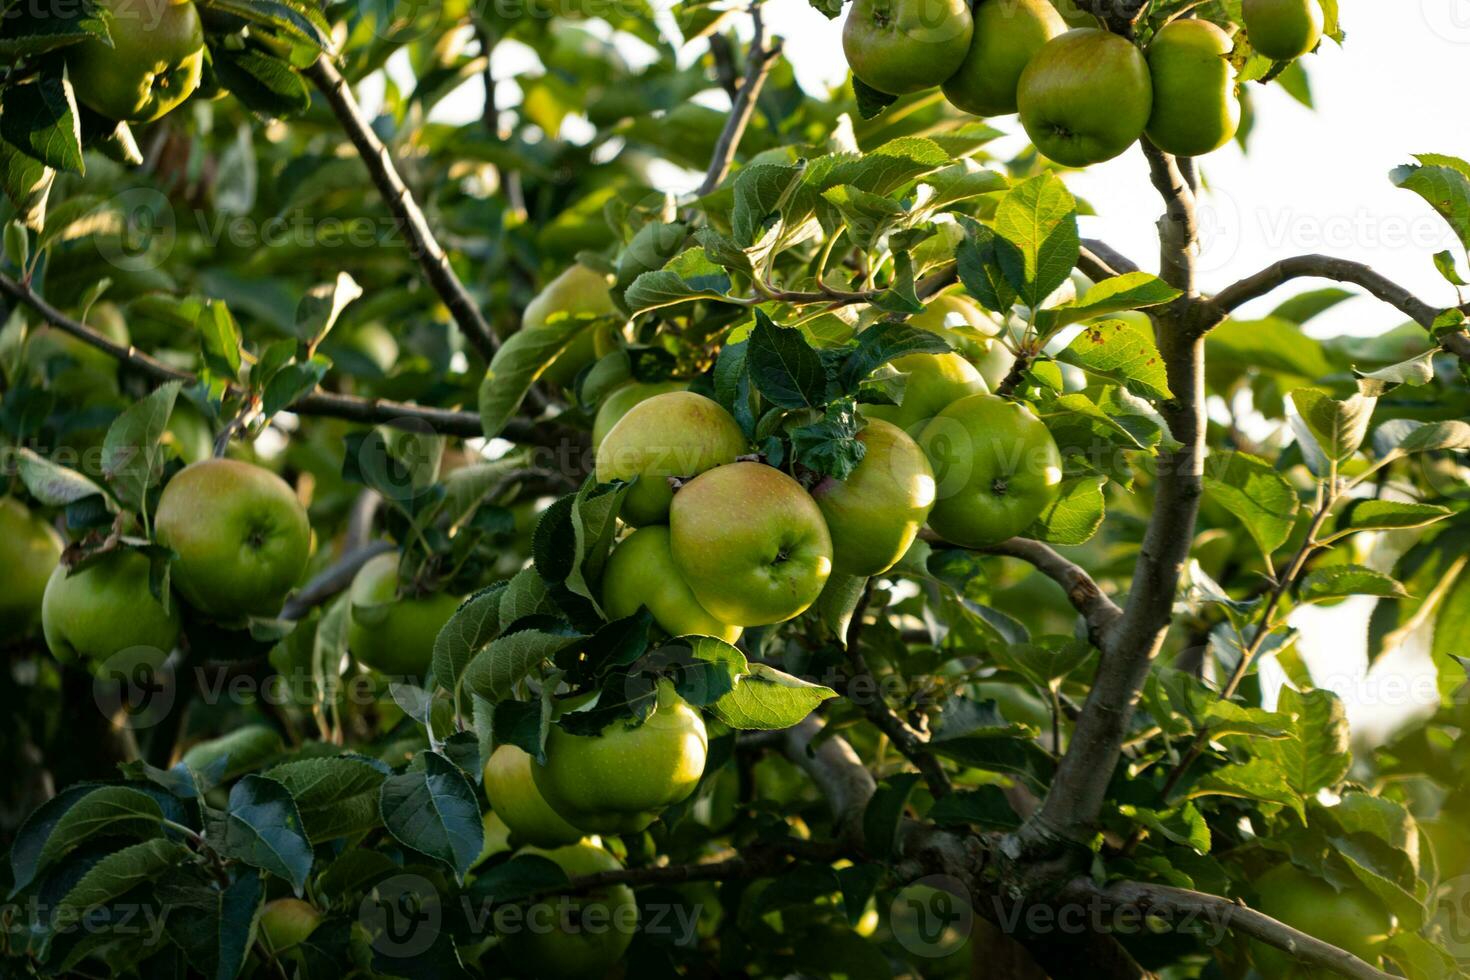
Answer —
1099 260
1179 905
1098 611
372 411
757 66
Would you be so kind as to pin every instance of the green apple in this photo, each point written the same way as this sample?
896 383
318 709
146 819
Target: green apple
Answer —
287 922
751 543
994 363
497 837
241 536
1196 110
30 550
579 291
1352 920
153 63
960 321
104 609
619 780
511 787
619 401
875 514
188 433
903 46
677 434
575 937
641 572
73 369
1283 29
932 382
997 469
1007 34
1085 97
392 633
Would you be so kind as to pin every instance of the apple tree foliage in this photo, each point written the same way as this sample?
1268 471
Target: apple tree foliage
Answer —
1085 715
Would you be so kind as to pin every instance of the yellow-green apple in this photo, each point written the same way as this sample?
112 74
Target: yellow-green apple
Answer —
902 46
1085 97
579 291
959 320
1283 29
1007 34
241 536
1351 919
153 63
641 572
511 788
286 923
751 543
678 434
875 514
994 363
580 936
1196 110
30 550
619 780
105 609
932 382
70 367
996 466
390 632
617 403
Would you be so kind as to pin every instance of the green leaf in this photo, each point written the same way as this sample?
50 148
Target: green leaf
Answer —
1339 581
1385 515
689 276
132 459
1451 626
117 874
28 30
1076 514
435 812
785 369
1259 779
1446 188
1240 347
296 17
212 925
39 118
27 182
1037 219
519 362
291 382
51 484
768 699
1023 760
884 813
335 797
868 216
1416 371
978 263
1132 291
108 811
1317 755
494 672
264 830
219 340
1120 352
1405 437
1328 429
474 623
571 543
322 305
870 101
881 343
830 445
1253 491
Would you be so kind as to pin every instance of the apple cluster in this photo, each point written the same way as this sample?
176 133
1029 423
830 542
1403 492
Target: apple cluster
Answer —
1084 94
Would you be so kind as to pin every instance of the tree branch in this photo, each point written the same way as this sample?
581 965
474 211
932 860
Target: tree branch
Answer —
1098 611
757 67
1101 261
1176 904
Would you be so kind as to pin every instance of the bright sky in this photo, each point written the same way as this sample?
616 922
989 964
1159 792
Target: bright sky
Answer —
1315 181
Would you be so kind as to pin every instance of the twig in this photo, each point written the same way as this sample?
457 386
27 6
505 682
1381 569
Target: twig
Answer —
725 70
1100 260
757 67
333 580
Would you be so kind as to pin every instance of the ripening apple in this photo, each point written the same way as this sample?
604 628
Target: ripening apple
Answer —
903 46
152 64
619 401
390 632
287 922
575 937
1283 29
932 383
996 466
1352 919
579 290
677 434
1196 110
875 514
619 780
1085 97
751 543
641 572
30 550
1007 34
241 536
105 608
511 788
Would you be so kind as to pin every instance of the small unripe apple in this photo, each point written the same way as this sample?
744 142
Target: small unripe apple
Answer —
1085 97
1283 29
1351 919
751 543
30 549
287 922
392 633
575 937
641 572
617 404
105 608
577 291
875 514
152 63
511 788
932 383
678 434
1007 34
1196 110
903 46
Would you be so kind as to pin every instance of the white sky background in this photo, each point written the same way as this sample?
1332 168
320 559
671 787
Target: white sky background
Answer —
1315 181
